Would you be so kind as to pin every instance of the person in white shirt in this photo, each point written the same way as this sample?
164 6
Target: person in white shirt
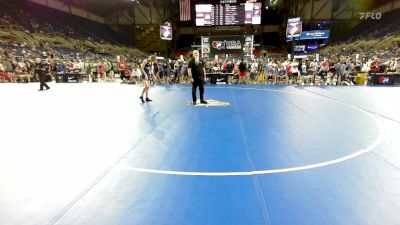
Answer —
313 71
254 70
81 65
366 67
76 67
295 71
392 66
136 75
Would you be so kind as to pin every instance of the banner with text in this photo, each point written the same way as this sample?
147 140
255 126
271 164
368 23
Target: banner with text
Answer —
237 46
315 34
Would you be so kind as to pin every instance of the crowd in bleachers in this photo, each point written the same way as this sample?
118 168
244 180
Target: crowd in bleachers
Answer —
35 19
374 29
17 63
329 69
59 40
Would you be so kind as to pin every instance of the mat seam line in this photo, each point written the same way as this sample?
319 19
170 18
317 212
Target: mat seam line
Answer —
257 186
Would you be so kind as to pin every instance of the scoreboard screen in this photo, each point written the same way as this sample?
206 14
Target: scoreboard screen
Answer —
227 14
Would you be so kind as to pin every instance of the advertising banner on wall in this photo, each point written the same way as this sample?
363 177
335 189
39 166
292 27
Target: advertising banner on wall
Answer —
236 46
312 47
299 48
315 34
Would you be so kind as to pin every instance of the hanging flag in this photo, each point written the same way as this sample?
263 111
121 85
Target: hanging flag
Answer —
185 10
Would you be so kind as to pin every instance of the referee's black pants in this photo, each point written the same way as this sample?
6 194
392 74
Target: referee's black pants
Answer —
42 79
198 83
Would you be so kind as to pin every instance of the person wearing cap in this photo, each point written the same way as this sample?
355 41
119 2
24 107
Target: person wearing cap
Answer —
197 72
41 70
146 69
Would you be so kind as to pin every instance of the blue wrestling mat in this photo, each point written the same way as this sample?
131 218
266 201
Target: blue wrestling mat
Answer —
255 155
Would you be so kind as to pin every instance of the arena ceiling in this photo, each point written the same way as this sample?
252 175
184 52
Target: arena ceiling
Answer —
105 7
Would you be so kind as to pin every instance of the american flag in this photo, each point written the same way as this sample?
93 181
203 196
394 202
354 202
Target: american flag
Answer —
184 10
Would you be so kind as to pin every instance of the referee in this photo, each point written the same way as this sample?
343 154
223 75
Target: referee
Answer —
197 72
41 70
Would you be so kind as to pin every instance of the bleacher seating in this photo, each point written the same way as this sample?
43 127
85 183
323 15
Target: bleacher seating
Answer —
35 18
388 24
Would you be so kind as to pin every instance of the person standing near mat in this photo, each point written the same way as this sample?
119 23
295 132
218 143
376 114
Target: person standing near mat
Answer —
242 71
146 69
41 70
198 73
